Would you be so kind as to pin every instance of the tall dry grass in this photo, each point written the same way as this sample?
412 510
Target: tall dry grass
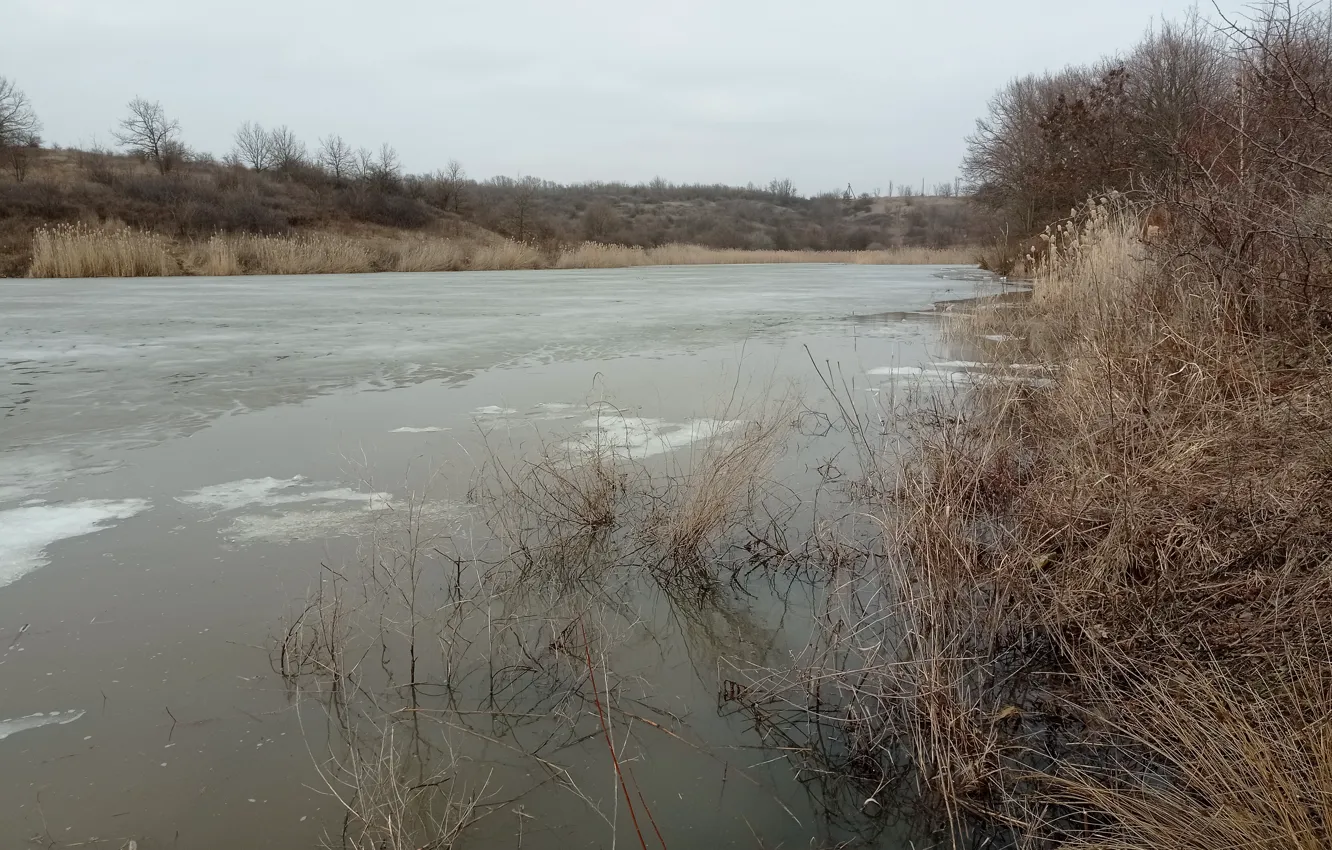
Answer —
81 251
1096 619
592 255
77 250
316 253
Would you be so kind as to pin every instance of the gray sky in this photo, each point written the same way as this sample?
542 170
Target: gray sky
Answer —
821 91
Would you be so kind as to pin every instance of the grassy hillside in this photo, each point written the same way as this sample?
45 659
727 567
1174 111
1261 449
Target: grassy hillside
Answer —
385 221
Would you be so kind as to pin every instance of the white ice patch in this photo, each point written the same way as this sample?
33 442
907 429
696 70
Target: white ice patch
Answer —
940 373
494 410
296 526
428 429
26 532
639 438
1002 338
25 476
35 721
271 492
556 410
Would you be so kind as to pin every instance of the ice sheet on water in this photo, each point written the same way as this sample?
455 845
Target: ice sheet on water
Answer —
36 721
271 492
638 437
25 476
427 429
26 532
293 526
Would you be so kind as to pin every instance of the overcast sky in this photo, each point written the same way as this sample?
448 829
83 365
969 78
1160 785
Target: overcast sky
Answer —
824 92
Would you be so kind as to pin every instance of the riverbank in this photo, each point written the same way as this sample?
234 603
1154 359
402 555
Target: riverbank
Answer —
1100 619
79 251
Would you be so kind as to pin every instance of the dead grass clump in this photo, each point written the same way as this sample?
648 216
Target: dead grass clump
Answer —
77 250
315 253
717 488
391 801
1206 761
429 255
593 255
504 256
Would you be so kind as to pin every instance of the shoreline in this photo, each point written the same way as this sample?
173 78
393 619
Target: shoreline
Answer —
79 251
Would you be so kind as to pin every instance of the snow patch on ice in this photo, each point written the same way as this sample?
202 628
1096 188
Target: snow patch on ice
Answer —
638 437
271 492
294 526
26 532
35 721
493 410
25 476
428 429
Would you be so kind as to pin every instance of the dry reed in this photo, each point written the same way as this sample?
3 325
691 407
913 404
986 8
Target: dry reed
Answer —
1095 617
81 251
592 255
315 253
76 250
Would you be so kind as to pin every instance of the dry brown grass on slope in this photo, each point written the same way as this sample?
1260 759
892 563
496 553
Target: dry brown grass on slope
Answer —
1107 619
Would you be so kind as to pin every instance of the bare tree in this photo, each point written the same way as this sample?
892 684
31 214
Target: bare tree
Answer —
18 122
337 157
390 167
288 152
382 169
147 132
521 214
252 147
19 158
782 190
447 186
944 189
600 222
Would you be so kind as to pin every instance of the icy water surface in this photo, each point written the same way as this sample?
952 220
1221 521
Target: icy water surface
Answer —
179 457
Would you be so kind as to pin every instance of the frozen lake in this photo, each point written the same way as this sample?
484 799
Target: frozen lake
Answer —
179 457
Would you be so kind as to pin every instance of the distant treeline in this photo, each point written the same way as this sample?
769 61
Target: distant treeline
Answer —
273 183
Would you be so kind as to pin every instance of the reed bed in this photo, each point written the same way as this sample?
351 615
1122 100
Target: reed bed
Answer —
77 250
82 251
317 253
592 255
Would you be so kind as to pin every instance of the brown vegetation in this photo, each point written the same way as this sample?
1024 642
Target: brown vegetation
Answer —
270 185
1099 617
109 251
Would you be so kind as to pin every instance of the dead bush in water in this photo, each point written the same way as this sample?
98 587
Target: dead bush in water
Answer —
423 658
718 486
